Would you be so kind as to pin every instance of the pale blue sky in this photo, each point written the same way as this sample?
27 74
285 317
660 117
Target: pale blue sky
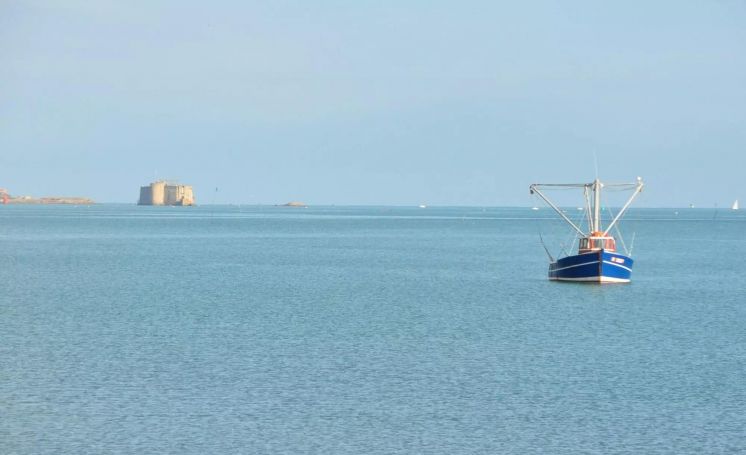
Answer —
339 102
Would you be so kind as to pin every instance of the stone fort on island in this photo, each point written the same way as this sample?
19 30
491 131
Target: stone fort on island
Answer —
166 193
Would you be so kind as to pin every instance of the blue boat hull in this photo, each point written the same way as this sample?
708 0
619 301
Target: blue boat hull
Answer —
595 267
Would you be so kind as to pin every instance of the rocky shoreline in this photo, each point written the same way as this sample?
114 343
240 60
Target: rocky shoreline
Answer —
48 200
7 198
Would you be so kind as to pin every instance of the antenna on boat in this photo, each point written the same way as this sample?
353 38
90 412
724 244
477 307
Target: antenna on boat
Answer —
595 162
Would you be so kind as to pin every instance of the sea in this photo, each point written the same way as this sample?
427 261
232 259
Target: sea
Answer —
365 330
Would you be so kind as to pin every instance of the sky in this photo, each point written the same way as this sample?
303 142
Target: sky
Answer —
373 103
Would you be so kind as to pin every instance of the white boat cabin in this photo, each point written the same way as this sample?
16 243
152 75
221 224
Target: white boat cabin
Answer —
596 241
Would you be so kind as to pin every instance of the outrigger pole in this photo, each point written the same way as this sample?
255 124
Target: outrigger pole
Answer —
534 189
638 189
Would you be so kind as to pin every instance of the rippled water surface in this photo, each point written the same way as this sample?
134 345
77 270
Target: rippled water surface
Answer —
364 330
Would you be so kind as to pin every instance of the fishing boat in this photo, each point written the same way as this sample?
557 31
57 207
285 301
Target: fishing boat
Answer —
735 205
597 260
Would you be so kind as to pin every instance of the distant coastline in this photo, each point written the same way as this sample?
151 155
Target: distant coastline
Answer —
296 204
6 198
49 200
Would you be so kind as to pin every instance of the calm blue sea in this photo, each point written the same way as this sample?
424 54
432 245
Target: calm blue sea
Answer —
351 330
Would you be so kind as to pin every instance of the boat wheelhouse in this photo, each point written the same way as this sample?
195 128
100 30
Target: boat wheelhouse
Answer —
596 241
597 260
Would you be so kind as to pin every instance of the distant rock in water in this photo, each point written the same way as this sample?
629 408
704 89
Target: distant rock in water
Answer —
295 204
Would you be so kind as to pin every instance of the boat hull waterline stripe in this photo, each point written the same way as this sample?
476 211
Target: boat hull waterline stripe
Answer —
602 279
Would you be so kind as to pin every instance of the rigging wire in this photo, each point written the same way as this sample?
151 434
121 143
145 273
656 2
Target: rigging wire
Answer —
619 233
551 259
541 238
573 236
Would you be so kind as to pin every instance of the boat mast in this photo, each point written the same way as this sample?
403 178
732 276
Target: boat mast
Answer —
587 208
596 206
